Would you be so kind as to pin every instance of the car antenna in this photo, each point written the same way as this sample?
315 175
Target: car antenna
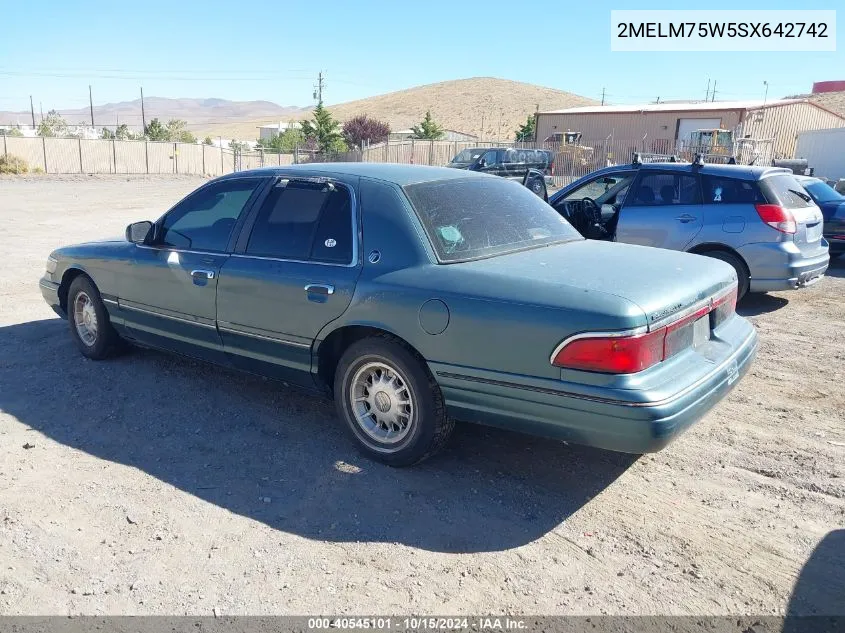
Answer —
635 159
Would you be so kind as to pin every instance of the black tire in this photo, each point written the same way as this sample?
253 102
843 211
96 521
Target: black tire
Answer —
106 342
739 266
428 427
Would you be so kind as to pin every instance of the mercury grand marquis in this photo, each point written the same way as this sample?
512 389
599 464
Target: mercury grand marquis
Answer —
416 296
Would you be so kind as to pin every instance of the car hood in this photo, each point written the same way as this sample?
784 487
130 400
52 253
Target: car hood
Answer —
618 283
93 249
459 165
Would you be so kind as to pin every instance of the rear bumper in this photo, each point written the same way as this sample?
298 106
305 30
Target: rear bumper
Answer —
783 266
636 424
837 247
50 292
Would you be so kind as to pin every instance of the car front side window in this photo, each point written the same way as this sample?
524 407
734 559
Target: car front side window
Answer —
204 221
605 189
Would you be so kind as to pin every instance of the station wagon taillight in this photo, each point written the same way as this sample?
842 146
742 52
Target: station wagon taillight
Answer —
776 217
612 353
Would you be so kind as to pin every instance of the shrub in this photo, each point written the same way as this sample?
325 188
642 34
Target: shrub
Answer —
13 165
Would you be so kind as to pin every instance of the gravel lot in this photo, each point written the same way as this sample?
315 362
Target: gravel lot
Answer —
156 485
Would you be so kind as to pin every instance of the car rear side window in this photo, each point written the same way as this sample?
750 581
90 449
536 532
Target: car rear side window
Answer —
479 217
785 190
721 190
663 189
304 221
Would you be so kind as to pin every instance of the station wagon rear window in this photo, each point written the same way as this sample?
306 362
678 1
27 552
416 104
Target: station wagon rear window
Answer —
479 217
785 190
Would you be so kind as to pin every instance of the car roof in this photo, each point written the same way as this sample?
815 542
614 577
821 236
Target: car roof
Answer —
400 174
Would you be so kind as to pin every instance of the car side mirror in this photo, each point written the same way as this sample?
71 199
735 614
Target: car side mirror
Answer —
482 163
137 232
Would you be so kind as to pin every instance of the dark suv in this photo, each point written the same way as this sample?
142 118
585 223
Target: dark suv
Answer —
509 162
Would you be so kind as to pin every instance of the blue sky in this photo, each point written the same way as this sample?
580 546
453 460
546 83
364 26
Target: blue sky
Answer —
54 49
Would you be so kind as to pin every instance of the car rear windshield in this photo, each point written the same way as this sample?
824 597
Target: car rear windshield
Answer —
478 217
785 190
822 191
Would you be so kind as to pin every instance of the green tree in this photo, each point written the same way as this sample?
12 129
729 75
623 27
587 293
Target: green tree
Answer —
324 131
208 141
155 131
12 131
285 142
122 133
53 125
526 131
106 133
428 128
238 146
177 132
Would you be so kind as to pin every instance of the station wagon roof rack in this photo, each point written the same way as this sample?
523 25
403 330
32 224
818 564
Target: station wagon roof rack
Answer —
640 158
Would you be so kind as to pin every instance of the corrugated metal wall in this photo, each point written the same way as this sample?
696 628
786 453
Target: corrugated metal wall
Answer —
659 128
784 124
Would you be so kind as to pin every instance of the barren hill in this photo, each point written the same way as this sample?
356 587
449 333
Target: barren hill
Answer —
199 113
459 105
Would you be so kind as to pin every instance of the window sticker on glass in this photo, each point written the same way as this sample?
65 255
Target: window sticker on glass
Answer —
451 234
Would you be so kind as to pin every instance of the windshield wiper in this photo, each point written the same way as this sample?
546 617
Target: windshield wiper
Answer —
801 195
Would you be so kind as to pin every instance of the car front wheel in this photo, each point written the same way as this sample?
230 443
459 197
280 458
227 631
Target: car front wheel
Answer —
89 321
390 402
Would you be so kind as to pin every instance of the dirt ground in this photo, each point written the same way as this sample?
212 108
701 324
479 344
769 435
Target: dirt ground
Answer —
155 485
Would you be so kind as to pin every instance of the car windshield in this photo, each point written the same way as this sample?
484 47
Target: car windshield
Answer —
822 192
468 156
479 217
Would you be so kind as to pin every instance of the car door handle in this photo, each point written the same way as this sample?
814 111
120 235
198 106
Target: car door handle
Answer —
202 273
319 289
686 217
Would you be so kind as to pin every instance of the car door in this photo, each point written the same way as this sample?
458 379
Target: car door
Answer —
491 163
662 209
293 271
168 295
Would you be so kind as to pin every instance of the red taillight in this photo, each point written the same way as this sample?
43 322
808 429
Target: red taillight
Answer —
613 354
626 354
776 217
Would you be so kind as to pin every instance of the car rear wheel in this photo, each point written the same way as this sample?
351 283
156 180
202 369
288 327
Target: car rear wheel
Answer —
89 321
390 402
738 265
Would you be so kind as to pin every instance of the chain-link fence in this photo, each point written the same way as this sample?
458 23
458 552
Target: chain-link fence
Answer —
564 159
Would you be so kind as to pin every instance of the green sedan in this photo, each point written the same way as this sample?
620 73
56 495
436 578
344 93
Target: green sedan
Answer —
416 296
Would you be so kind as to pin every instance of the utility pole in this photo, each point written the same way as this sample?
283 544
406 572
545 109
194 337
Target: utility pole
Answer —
602 96
41 109
32 109
91 104
143 115
536 120
766 94
713 96
707 92
482 127
318 89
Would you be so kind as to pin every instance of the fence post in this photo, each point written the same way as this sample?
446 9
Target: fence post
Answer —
431 152
5 151
114 155
79 140
175 159
221 156
44 151
147 155
203 159
386 149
